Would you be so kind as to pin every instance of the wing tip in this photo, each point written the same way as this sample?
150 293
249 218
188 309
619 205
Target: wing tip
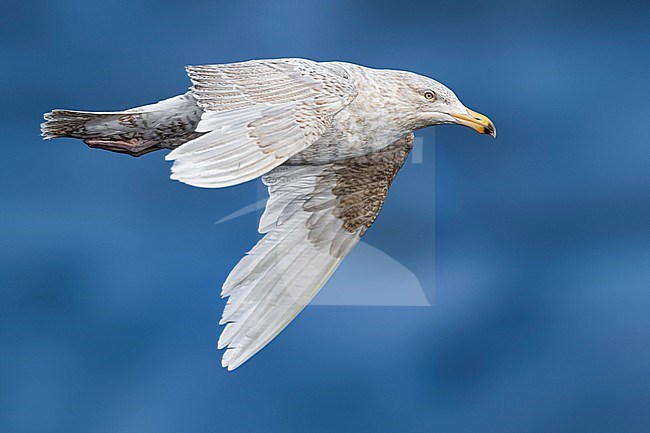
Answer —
231 361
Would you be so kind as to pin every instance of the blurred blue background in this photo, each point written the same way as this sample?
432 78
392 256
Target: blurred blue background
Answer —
110 272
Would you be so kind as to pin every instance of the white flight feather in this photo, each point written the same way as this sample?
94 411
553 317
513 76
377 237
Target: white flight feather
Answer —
287 267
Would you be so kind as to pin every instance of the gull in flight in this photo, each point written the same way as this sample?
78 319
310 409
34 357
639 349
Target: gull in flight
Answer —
327 138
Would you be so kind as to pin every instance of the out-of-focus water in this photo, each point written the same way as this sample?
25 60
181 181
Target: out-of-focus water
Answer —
109 272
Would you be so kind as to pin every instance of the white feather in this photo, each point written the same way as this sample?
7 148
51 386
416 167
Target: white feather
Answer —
287 267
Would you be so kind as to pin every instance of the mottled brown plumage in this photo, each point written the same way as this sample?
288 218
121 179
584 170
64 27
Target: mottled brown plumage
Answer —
362 184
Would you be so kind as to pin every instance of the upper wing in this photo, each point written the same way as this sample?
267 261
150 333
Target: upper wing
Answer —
257 114
314 216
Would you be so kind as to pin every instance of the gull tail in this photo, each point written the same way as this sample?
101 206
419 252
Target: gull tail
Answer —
137 131
66 123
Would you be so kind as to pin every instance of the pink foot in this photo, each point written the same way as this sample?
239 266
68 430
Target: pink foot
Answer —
134 146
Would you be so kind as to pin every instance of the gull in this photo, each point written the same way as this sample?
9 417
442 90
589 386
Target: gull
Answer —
327 139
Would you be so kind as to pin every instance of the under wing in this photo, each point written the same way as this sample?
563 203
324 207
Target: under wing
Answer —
315 215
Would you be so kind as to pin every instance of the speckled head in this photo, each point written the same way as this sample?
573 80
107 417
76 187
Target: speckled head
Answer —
432 103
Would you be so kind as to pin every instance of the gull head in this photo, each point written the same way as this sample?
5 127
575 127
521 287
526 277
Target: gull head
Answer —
432 103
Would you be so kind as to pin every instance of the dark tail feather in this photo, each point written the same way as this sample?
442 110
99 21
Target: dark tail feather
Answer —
66 123
97 130
137 131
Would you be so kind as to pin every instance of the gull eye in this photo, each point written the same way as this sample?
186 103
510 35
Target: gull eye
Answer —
429 95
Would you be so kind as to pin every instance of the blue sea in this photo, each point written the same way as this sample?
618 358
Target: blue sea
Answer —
532 249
